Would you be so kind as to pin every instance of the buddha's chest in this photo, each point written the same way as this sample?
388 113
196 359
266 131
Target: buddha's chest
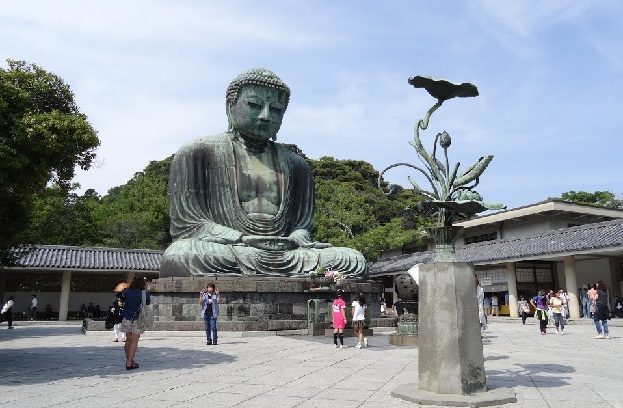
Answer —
257 181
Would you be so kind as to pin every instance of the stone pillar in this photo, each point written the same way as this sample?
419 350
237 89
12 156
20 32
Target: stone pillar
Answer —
63 306
450 347
511 274
615 279
572 287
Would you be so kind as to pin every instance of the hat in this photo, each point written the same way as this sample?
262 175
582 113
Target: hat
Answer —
584 287
340 292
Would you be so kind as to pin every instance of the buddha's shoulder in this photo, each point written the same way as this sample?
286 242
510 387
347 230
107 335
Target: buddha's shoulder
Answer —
205 142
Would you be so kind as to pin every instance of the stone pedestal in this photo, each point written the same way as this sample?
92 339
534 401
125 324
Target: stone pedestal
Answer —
450 359
248 303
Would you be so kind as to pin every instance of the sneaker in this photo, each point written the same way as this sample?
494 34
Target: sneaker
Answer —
358 345
606 337
600 336
214 343
11 327
365 342
209 343
335 345
562 332
343 346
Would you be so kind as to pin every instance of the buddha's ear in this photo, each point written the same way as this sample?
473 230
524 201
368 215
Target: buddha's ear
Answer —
230 122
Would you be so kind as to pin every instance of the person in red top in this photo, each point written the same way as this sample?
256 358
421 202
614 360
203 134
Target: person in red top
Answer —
339 319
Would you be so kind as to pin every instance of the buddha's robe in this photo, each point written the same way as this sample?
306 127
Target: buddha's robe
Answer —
208 219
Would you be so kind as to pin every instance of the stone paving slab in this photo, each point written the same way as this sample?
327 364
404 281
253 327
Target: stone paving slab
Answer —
58 366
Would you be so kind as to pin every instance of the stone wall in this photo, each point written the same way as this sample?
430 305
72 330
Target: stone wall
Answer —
247 303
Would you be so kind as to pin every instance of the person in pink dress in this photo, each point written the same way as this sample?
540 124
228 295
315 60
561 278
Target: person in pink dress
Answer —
339 319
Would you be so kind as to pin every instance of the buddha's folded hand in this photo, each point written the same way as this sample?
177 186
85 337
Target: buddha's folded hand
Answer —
270 243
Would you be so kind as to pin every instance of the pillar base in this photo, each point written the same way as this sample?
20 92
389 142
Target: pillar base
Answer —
498 396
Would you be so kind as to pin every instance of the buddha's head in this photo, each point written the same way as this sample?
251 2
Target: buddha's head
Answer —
256 101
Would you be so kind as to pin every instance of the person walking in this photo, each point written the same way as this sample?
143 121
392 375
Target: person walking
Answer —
539 302
338 309
209 302
383 307
33 307
133 300
592 300
359 312
7 312
585 303
557 304
523 309
602 314
487 305
618 307
480 297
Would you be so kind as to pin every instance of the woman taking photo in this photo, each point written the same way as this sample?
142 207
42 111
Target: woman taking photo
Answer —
133 298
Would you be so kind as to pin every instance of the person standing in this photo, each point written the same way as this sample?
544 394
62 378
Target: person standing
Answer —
539 302
480 297
383 307
602 314
558 306
592 300
399 307
209 302
487 305
523 309
618 307
338 309
133 300
7 312
33 307
117 312
495 306
359 314
585 304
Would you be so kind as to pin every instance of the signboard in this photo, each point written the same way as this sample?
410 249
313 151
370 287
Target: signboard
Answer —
485 281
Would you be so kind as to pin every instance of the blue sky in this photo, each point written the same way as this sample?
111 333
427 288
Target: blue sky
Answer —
151 75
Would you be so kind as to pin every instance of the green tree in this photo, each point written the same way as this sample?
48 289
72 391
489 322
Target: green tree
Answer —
600 198
43 137
136 214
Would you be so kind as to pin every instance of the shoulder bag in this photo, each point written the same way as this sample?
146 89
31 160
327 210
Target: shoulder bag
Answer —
145 319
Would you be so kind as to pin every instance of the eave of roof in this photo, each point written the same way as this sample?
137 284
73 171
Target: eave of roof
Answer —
50 257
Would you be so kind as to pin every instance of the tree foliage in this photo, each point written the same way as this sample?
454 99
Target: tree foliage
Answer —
600 198
43 137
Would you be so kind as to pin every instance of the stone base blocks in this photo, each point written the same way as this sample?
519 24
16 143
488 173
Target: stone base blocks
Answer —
247 303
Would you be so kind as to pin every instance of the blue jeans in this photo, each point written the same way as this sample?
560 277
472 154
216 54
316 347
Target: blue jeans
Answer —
585 308
598 325
210 325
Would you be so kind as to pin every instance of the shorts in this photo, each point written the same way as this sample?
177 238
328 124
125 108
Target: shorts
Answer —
339 324
130 326
357 323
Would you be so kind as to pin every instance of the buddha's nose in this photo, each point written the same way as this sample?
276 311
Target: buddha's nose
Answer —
264 112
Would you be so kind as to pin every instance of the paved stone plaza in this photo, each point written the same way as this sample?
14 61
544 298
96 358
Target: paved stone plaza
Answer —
58 366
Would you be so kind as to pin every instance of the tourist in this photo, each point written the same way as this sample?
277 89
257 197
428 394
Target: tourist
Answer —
359 315
592 299
383 308
523 309
584 299
209 302
133 299
242 204
487 305
117 317
339 319
398 308
602 314
618 307
550 312
539 302
480 297
48 312
33 307
557 304
495 307
7 312
565 303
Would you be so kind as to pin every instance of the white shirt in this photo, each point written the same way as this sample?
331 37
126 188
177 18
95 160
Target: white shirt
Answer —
359 311
33 303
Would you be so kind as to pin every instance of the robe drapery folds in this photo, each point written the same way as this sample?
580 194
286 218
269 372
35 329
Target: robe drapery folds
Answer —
207 220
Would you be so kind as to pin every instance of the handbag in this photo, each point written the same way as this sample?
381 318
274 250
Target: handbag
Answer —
593 308
145 319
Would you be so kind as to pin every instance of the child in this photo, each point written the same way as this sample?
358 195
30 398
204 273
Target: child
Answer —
359 312
339 319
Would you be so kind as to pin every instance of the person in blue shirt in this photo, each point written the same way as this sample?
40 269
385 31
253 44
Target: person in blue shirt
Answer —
133 298
209 302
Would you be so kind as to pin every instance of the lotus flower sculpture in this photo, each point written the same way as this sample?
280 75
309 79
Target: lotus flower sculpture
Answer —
451 196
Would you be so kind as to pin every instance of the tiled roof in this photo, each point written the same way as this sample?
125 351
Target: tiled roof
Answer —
91 258
580 239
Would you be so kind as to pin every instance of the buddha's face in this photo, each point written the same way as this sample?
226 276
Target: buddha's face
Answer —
258 112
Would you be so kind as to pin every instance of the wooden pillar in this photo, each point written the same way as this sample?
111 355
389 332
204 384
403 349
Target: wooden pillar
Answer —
63 306
572 287
129 276
511 275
